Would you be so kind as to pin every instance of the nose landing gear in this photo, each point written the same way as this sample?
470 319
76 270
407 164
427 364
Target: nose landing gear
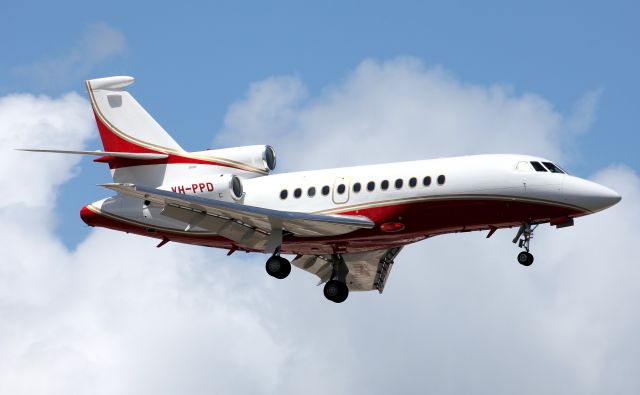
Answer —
525 258
523 238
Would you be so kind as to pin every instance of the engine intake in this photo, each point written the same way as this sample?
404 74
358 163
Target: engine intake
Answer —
261 157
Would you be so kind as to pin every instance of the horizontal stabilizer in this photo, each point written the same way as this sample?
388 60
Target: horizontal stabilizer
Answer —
128 155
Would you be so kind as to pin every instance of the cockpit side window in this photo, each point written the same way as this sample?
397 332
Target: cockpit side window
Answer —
524 166
552 168
538 166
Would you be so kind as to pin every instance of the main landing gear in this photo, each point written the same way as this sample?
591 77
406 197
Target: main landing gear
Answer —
278 266
523 238
336 289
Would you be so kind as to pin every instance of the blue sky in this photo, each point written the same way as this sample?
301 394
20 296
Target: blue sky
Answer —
88 310
193 60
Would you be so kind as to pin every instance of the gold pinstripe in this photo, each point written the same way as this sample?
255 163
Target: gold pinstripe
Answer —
419 199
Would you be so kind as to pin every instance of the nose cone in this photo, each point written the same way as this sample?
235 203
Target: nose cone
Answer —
588 194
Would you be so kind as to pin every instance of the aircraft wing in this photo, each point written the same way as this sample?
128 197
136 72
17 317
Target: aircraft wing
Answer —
248 225
367 270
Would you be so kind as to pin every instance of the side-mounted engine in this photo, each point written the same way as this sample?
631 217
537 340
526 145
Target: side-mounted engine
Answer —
227 187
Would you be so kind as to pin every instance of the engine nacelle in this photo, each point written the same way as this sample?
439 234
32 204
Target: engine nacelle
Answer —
226 187
260 157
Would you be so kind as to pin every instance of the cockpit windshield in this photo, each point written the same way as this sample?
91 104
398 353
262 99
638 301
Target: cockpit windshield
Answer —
553 168
544 167
538 166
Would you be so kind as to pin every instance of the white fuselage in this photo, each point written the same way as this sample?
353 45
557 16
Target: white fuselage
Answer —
462 193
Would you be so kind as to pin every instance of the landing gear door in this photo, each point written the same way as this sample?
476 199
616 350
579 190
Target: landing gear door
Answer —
341 190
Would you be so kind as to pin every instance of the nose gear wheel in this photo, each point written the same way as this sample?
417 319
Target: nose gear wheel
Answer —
523 238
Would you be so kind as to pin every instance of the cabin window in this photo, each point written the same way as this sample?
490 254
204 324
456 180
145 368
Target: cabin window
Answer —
311 192
426 181
297 193
341 189
552 168
325 190
413 182
441 179
538 166
399 183
283 194
371 186
356 187
384 185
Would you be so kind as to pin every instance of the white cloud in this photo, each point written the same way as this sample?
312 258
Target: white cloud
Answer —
100 43
28 121
458 315
382 106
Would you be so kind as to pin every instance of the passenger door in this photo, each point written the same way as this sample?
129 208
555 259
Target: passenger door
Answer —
341 190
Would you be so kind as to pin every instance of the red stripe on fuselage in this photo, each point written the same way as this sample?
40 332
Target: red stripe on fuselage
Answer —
421 220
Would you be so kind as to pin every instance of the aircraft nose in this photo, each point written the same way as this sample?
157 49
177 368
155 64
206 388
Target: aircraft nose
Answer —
588 194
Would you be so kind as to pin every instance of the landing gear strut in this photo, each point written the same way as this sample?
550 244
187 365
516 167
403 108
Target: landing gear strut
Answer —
278 266
336 289
523 238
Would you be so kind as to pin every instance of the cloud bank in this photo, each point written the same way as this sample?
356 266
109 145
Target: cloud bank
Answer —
459 315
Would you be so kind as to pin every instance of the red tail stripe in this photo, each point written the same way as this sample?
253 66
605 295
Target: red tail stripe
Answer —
112 142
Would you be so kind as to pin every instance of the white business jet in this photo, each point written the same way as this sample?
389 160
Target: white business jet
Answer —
345 225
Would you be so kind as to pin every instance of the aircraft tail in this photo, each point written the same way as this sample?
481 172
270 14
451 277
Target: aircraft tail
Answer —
123 123
139 151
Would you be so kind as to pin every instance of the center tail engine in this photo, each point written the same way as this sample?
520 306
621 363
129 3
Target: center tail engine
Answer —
261 158
258 156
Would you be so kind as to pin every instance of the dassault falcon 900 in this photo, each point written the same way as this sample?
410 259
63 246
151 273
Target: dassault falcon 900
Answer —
345 225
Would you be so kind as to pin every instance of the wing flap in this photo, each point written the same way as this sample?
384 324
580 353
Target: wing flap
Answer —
227 228
367 270
248 217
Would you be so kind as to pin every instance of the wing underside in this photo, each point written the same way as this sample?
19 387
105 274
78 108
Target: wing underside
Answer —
249 226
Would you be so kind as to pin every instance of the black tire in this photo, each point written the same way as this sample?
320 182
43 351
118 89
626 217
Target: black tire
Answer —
278 267
336 291
525 258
